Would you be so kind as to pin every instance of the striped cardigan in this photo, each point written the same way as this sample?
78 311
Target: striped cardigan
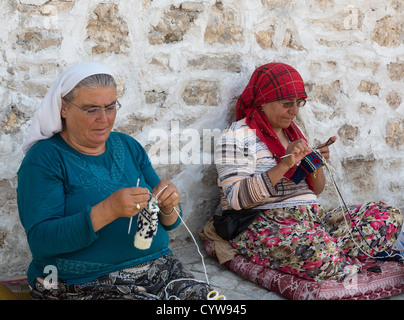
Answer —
242 161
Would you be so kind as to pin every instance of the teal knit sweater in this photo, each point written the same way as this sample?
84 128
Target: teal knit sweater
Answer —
57 186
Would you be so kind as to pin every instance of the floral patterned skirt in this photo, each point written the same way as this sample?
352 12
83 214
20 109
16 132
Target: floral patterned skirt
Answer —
315 244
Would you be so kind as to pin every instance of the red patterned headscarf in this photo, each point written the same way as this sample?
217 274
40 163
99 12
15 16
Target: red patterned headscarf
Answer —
268 83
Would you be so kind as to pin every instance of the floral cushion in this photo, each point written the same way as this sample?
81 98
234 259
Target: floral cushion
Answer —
364 286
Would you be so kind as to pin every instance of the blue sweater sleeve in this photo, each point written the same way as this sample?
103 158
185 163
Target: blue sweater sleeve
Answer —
40 196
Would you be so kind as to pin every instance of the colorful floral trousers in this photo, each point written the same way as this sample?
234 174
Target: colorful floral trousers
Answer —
316 244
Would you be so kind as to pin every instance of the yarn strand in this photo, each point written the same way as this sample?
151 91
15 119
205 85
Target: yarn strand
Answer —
343 206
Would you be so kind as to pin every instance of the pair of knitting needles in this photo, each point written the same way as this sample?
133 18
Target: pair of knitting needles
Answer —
130 222
328 143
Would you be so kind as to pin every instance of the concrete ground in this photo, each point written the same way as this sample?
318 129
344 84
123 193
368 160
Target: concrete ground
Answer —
226 282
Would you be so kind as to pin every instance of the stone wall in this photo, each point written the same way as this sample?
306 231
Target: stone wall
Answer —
180 66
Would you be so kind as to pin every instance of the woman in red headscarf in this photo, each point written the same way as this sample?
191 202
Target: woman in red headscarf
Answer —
270 178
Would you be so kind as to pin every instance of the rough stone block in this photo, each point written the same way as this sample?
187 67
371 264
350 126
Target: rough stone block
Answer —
265 37
395 133
359 170
155 97
230 63
174 24
372 88
327 93
348 133
394 99
37 40
201 92
223 26
387 32
396 71
107 31
274 4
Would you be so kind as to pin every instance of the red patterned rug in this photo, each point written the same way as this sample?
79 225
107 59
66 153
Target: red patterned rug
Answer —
364 286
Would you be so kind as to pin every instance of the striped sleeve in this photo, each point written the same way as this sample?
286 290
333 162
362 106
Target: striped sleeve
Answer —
242 163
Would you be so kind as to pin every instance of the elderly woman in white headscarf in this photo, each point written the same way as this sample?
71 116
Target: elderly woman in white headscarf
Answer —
79 187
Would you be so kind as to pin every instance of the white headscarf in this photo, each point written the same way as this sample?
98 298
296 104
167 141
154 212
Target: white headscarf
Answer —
47 120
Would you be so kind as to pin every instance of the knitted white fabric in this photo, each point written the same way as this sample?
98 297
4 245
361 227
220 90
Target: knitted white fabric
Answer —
147 223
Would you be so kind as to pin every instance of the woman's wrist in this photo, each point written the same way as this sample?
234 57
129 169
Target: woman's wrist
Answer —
314 173
100 216
167 214
285 165
169 217
277 172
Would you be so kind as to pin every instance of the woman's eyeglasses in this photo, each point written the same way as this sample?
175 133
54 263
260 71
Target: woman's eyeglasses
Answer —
93 112
290 104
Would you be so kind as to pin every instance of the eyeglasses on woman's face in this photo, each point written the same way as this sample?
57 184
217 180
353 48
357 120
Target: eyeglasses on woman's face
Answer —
95 111
288 104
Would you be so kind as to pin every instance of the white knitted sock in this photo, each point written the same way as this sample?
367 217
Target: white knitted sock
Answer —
146 229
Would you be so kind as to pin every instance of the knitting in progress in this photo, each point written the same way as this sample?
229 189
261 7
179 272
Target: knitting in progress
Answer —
147 223
147 229
309 164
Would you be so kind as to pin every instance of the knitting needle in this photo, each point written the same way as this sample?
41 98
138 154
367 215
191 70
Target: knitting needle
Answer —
130 222
289 154
328 143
